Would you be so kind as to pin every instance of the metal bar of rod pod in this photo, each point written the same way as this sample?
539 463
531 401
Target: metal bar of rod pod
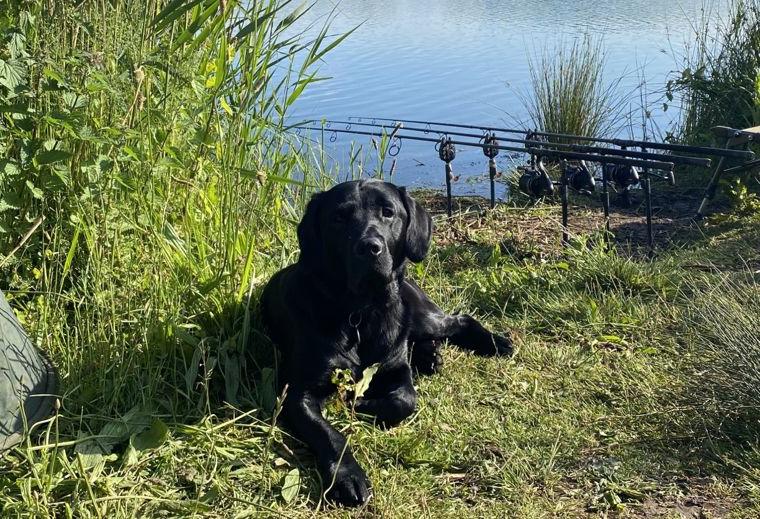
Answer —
655 164
581 148
704 150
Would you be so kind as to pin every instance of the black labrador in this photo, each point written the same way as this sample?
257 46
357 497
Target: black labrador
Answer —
347 304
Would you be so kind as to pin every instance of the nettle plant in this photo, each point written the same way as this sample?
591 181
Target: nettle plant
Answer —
17 146
44 127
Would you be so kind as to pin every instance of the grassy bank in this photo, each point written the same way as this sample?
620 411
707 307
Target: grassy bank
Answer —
606 407
147 196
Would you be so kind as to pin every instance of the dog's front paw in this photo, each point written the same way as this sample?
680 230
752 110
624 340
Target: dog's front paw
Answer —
426 357
350 486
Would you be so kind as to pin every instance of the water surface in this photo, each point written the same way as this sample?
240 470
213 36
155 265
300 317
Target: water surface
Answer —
467 61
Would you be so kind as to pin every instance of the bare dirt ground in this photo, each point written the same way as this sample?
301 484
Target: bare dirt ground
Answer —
673 223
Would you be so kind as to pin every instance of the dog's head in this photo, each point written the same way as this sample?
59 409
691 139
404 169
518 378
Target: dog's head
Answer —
362 232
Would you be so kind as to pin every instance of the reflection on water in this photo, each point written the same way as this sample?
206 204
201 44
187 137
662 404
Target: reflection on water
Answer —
467 60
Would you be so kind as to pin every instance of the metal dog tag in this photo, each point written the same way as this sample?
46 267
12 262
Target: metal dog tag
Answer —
354 320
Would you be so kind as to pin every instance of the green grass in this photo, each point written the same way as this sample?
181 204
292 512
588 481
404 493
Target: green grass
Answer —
597 411
147 197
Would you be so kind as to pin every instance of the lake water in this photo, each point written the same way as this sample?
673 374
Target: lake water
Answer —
466 61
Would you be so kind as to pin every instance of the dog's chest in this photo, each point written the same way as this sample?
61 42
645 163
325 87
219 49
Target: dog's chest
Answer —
375 337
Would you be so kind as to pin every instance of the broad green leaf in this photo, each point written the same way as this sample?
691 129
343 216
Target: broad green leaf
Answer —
14 109
11 74
51 156
17 44
5 205
192 371
36 192
189 33
73 100
90 450
291 485
363 385
54 75
152 438
11 169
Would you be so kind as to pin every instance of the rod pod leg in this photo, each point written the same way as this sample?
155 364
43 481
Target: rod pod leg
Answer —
606 206
449 174
564 195
492 177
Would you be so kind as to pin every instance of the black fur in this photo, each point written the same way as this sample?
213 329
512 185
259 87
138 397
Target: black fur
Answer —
346 304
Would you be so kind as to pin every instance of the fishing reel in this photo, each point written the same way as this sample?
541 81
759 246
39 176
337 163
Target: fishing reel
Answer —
578 177
535 181
624 177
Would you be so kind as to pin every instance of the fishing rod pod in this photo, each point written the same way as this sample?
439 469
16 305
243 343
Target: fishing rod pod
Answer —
620 166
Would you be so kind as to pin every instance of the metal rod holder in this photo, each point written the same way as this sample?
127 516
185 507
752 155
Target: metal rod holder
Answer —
712 186
449 174
447 153
492 179
563 189
606 205
648 200
490 150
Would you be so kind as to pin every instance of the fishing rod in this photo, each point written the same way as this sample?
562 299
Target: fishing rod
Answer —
676 159
625 143
664 164
535 181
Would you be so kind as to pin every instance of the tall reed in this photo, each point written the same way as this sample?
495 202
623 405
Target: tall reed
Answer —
569 93
147 191
718 81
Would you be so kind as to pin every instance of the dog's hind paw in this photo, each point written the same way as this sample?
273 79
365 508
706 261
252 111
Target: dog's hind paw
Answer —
502 346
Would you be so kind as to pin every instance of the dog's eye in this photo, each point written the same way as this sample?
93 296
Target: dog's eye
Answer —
388 212
339 217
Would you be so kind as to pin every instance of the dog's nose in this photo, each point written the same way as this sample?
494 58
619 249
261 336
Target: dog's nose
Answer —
369 247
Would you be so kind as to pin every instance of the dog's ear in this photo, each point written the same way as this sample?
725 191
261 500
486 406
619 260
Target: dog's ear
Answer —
309 235
419 230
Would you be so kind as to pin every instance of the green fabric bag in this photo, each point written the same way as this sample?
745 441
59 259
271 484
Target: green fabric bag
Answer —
27 380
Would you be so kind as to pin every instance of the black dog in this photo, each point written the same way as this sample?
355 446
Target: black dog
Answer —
346 305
